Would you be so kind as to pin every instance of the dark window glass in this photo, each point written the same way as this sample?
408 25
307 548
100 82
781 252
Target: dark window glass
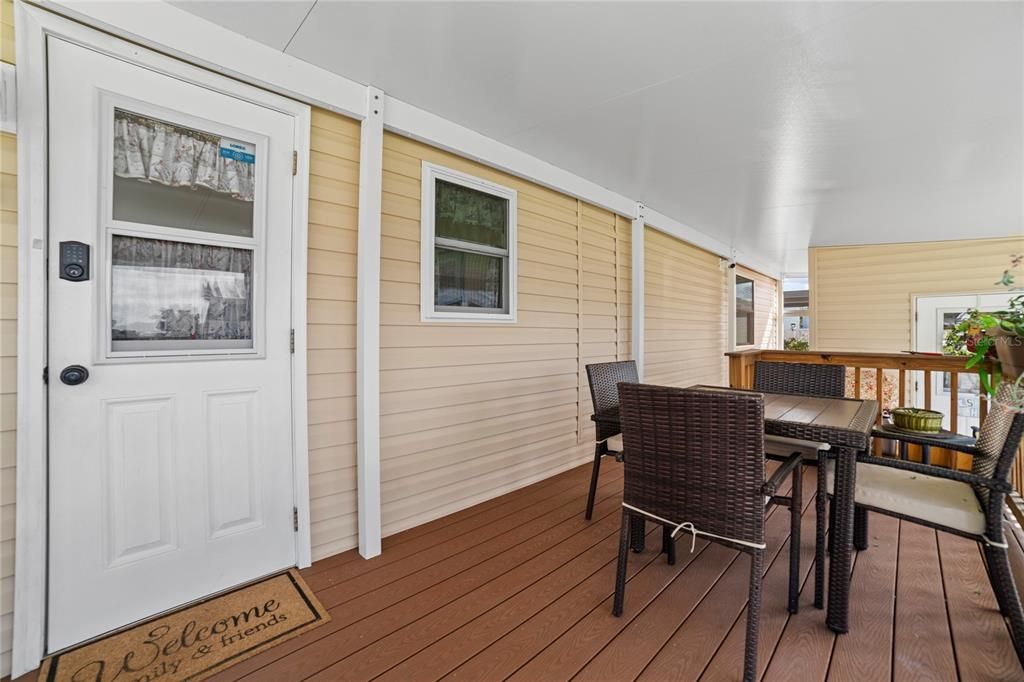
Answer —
467 280
470 249
744 311
469 215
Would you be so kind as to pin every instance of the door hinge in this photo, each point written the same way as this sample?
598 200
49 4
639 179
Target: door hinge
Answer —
291 340
46 375
295 519
295 162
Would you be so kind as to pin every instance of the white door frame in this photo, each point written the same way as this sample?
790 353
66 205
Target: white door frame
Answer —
33 27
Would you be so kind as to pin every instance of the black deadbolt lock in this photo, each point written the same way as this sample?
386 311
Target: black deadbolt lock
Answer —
72 375
74 261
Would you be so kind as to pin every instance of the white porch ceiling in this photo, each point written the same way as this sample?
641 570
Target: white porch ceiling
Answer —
771 126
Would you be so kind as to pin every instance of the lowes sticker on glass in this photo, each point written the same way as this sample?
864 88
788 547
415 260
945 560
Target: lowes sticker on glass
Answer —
237 150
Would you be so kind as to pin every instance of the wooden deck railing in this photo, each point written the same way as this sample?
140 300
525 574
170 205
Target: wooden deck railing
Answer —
886 377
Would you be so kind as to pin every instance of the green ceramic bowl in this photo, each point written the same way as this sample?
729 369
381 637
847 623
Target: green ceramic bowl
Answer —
914 419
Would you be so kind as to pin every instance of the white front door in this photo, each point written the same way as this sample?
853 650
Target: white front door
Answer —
169 245
935 316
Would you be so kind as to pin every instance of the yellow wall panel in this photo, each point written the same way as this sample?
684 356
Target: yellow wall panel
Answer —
685 313
862 296
331 330
472 410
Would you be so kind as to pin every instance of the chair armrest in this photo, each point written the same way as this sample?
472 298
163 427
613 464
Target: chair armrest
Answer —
771 486
607 416
937 472
962 444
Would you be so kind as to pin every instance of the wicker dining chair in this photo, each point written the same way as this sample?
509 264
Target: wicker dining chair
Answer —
800 378
695 464
966 504
604 378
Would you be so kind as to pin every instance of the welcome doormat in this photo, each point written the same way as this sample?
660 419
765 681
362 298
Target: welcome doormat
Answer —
195 642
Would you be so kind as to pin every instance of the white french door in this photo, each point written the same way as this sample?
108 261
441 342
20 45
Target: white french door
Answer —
169 289
935 316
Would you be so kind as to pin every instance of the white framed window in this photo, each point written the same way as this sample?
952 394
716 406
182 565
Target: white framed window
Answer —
744 311
467 248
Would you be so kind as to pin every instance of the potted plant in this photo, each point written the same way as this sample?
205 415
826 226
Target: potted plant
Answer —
1003 332
969 331
1008 338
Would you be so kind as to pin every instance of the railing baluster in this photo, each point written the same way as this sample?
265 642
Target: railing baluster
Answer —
954 401
954 420
856 382
927 389
902 398
879 396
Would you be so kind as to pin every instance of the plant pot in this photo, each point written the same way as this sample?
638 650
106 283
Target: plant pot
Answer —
914 419
1010 350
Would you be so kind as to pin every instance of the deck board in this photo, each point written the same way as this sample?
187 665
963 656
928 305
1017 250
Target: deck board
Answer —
922 647
520 587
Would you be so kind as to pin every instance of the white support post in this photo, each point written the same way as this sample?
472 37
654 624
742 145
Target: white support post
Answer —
637 308
730 296
371 159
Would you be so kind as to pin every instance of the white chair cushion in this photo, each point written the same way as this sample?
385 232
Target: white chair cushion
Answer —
615 443
779 446
937 500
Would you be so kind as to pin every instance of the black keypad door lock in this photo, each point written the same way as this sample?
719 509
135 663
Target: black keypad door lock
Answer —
73 375
74 261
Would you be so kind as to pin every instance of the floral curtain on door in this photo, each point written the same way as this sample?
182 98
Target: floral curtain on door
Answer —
166 290
153 151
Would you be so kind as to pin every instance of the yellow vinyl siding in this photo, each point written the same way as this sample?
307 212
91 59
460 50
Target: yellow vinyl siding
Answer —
8 351
469 411
7 31
685 313
766 305
861 296
331 309
599 339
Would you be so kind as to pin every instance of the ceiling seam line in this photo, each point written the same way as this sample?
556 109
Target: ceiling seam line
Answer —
297 28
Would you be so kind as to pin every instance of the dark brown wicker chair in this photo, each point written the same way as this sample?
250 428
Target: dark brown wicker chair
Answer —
798 378
604 379
695 464
965 504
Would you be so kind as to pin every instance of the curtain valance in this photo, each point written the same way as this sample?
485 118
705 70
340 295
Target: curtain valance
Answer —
154 151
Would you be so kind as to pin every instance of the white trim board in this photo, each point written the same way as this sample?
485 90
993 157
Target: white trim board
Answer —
637 311
166 28
33 27
371 172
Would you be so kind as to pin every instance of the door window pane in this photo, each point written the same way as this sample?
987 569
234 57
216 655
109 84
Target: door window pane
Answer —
168 295
169 175
470 215
467 280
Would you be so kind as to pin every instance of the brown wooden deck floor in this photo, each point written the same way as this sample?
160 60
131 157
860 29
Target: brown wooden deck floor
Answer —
520 588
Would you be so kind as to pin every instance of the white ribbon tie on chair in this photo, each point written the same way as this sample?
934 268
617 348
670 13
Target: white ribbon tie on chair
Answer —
690 528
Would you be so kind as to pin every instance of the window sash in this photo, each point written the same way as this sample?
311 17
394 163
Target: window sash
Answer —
470 247
503 292
431 241
745 310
